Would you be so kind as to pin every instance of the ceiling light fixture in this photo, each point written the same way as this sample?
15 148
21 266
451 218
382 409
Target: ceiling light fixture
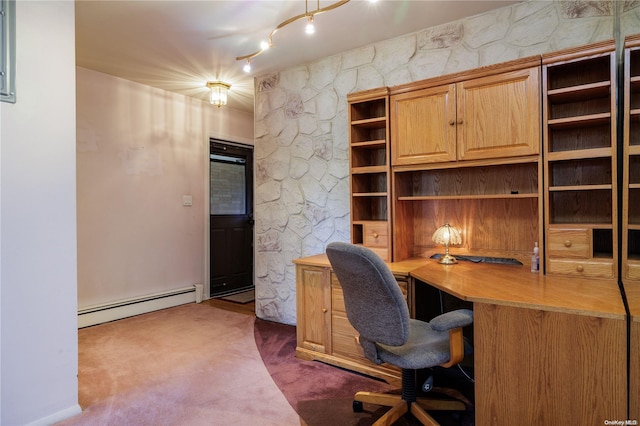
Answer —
218 96
309 29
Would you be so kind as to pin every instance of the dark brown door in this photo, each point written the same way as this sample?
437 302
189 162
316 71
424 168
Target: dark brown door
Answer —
231 217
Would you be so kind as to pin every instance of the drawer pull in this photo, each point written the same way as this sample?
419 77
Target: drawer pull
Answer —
579 268
567 243
375 235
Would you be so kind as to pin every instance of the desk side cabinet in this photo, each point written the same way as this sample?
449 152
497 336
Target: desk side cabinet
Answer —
323 331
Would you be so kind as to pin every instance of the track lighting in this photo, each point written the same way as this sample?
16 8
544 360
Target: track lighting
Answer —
309 29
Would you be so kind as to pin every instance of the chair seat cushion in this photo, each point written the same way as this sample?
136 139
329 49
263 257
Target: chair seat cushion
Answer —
425 348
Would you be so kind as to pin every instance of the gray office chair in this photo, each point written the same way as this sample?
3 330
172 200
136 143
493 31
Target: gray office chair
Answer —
378 311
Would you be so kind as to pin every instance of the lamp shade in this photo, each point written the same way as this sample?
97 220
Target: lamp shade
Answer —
447 235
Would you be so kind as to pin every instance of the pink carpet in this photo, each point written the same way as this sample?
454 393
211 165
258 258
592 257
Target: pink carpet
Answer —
198 365
190 365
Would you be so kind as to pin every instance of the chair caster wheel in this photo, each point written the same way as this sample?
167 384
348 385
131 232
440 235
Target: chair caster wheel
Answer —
357 407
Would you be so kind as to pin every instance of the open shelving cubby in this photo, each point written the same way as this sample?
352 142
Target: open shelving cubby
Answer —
580 161
370 170
494 204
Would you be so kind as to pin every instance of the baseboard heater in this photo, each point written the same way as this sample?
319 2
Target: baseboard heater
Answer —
106 312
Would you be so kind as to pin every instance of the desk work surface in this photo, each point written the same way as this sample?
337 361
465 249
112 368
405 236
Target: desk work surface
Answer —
517 286
511 285
398 268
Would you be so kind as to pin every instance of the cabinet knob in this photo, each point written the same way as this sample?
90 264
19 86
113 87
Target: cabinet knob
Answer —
579 268
567 243
375 235
460 121
452 122
324 310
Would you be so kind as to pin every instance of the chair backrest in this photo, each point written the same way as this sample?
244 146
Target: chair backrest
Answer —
373 300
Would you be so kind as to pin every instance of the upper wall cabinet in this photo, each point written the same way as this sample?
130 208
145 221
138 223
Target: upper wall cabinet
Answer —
580 161
423 126
491 113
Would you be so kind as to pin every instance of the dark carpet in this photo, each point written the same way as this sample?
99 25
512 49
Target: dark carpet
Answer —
323 394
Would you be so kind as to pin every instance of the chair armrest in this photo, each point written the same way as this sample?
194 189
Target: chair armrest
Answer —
451 320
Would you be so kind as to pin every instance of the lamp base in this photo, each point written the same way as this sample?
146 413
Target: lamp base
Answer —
447 259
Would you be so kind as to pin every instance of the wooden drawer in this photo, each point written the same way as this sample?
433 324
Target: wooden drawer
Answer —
346 347
382 252
582 268
337 296
375 235
633 271
574 243
337 301
345 338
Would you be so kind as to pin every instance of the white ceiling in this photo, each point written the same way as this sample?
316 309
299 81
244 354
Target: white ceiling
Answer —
180 45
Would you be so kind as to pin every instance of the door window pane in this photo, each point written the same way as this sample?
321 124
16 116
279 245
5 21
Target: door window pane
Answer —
227 186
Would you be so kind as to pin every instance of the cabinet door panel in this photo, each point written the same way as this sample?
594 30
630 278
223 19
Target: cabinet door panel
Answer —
423 127
313 305
499 116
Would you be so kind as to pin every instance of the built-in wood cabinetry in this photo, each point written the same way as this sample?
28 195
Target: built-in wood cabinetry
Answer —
492 114
631 161
370 171
631 212
467 152
323 331
513 154
580 161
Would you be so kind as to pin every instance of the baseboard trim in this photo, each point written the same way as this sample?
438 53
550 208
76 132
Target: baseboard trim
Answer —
99 314
57 416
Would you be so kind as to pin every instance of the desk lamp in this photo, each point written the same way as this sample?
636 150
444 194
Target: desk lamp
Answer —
446 235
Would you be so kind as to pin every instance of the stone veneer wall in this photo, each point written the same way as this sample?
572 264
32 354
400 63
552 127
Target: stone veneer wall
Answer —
301 131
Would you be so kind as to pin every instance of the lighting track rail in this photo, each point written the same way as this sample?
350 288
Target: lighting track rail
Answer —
307 14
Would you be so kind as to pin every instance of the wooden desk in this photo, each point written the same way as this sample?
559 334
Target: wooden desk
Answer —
548 350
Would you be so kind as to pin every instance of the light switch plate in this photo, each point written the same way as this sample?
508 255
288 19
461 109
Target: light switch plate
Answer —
187 200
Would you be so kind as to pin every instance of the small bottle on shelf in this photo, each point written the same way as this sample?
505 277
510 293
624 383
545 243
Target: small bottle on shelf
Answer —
535 259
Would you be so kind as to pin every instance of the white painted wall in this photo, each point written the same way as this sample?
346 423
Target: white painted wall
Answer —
139 150
38 334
